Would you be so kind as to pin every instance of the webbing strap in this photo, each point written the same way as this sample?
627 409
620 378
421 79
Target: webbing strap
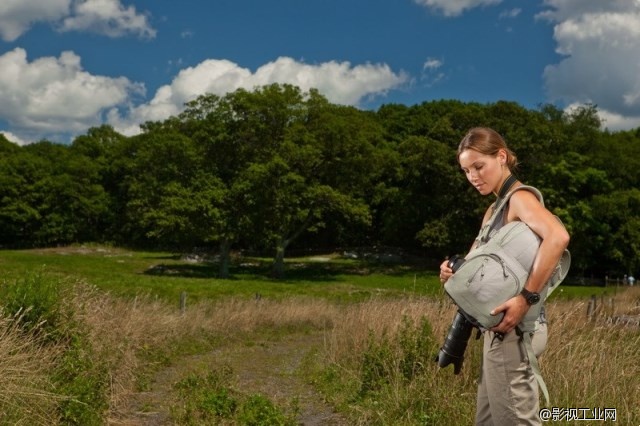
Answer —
535 367
485 232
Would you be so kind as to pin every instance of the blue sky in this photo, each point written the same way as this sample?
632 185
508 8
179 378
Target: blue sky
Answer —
73 64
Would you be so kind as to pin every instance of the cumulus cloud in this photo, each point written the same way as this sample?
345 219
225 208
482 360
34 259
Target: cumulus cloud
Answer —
55 95
107 17
455 7
17 16
600 43
614 121
340 82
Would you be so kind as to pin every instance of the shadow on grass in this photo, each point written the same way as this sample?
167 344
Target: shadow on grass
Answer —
295 271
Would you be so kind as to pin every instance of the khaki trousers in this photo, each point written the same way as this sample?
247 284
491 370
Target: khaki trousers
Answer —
508 390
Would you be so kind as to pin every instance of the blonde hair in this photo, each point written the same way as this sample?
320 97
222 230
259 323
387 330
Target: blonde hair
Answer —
488 142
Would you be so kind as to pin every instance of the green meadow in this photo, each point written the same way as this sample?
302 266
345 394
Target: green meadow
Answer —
166 275
89 332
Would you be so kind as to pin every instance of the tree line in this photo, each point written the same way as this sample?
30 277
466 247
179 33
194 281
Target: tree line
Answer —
278 168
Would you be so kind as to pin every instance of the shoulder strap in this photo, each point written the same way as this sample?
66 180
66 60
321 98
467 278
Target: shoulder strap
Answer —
535 367
499 205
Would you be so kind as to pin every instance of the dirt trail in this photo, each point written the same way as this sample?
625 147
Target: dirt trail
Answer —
269 367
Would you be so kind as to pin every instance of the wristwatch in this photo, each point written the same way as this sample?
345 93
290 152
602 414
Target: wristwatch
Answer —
531 297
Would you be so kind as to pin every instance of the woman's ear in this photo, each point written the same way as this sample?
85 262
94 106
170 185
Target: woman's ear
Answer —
502 157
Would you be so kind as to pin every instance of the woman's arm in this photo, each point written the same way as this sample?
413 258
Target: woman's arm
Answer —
524 206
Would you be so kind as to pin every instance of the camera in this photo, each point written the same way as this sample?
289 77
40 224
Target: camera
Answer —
455 344
455 262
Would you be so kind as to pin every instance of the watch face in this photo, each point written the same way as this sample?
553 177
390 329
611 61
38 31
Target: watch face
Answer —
531 298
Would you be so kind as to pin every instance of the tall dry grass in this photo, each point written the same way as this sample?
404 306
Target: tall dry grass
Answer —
436 396
122 330
26 393
589 362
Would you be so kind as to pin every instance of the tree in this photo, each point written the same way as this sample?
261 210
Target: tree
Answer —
50 196
311 159
168 199
617 214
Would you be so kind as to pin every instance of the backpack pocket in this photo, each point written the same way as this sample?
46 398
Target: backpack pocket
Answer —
485 280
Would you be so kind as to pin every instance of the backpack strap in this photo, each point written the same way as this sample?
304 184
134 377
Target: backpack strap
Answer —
533 362
486 231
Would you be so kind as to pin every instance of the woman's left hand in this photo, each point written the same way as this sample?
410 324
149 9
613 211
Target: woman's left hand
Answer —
514 310
445 271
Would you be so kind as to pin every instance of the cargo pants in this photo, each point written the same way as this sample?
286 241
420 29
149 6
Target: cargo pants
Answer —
508 390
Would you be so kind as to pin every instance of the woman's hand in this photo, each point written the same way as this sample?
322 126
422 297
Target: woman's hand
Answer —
445 271
514 310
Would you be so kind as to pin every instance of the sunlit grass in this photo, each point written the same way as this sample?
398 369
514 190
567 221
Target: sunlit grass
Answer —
166 275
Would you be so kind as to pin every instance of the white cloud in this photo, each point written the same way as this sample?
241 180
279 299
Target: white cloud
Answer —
600 42
340 82
55 95
455 7
430 72
17 16
432 64
509 14
563 10
107 17
613 121
13 138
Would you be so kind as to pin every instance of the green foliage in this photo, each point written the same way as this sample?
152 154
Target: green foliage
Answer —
258 410
375 368
36 301
42 304
84 382
403 356
205 399
209 399
398 381
277 168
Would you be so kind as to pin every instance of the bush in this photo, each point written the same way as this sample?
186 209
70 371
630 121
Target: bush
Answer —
402 357
36 301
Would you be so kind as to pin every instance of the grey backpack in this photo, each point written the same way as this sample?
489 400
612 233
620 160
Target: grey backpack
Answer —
497 270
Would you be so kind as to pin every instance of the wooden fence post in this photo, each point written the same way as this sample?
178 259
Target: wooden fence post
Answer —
183 302
591 307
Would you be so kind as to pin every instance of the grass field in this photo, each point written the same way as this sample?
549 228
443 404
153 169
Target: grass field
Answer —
166 275
111 323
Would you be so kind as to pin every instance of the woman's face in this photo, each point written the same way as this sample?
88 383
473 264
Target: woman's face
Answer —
484 172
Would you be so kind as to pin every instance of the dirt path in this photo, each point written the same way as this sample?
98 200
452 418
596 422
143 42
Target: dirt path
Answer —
268 366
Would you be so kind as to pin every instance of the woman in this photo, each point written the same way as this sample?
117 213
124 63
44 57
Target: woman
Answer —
508 390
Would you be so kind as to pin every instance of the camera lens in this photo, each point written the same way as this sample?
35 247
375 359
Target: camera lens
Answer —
455 262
